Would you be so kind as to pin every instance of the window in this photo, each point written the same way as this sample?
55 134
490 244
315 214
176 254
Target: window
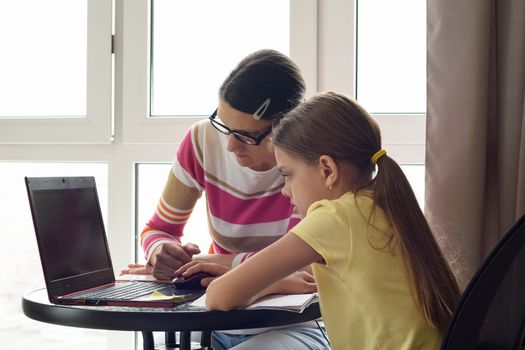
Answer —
192 50
415 174
42 77
153 103
391 78
341 68
356 57
391 52
56 71
178 68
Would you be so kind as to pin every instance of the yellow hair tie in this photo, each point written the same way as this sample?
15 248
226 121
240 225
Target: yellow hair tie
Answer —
377 155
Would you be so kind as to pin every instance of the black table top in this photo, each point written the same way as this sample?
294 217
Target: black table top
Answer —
36 305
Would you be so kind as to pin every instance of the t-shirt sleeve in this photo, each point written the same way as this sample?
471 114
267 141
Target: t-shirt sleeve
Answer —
326 230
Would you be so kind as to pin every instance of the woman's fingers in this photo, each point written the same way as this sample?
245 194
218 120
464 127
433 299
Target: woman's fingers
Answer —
136 269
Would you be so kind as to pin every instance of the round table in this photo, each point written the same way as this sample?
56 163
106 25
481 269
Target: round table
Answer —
182 318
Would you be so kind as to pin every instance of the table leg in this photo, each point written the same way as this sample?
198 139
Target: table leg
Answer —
206 339
171 343
170 339
185 340
147 341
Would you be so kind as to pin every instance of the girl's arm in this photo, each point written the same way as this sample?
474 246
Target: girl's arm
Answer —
261 274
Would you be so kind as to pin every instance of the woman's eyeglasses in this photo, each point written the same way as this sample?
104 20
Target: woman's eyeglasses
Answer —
242 136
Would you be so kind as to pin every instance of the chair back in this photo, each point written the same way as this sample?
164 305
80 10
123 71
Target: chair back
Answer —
491 311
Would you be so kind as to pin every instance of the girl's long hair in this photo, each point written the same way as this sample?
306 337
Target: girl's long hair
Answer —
333 124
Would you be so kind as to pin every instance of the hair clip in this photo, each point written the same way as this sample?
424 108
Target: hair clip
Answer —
262 109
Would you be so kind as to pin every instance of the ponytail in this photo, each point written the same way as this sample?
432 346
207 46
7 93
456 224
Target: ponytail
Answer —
435 288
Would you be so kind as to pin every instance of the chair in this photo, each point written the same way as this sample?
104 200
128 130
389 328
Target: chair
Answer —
491 311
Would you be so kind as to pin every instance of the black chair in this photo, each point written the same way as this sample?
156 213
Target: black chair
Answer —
491 312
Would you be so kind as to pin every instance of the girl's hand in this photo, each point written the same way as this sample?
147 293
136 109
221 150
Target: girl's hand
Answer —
297 283
196 266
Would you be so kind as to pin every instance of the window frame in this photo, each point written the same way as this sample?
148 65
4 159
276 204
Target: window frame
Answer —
403 135
96 125
135 48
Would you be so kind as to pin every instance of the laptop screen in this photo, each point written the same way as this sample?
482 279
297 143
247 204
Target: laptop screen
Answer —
70 233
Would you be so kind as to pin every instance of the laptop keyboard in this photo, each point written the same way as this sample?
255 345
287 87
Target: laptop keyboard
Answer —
122 291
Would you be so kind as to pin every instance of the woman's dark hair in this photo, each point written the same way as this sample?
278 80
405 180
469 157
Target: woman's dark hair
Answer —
333 124
261 76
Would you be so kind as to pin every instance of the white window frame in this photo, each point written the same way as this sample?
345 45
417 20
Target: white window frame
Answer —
135 67
403 134
95 126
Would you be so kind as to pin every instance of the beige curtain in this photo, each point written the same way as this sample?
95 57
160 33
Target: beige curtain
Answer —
475 151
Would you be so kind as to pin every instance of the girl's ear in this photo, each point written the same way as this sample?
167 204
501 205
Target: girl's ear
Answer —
329 170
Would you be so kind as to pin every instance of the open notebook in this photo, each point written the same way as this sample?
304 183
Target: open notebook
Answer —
74 250
288 302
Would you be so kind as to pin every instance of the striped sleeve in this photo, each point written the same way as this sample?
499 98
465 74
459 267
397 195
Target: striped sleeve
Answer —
179 196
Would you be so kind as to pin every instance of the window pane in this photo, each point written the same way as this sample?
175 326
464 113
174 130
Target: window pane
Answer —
416 176
151 179
43 61
194 49
391 55
19 257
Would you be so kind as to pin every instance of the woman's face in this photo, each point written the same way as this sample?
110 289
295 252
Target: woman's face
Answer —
260 157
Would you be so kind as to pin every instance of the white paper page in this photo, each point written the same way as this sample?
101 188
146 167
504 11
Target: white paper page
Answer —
294 302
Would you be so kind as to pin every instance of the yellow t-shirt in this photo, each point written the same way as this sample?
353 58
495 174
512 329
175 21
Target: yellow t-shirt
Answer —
364 292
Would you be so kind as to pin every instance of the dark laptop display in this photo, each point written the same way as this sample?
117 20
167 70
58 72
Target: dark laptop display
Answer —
74 250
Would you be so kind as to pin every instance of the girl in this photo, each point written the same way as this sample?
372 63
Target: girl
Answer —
383 282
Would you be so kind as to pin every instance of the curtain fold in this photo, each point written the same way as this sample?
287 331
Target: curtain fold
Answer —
475 150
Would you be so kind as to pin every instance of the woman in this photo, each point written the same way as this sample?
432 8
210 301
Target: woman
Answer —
231 159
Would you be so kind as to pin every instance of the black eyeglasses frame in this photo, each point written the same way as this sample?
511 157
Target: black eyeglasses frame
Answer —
239 134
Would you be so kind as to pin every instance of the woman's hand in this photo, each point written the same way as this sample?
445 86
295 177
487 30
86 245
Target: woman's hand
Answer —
168 257
196 266
137 269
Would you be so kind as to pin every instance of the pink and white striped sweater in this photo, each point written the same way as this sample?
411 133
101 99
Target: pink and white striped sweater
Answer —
246 210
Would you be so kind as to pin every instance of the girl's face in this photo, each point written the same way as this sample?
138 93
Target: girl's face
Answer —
304 183
256 157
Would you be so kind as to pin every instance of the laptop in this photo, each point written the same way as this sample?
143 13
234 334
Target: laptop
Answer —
74 250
